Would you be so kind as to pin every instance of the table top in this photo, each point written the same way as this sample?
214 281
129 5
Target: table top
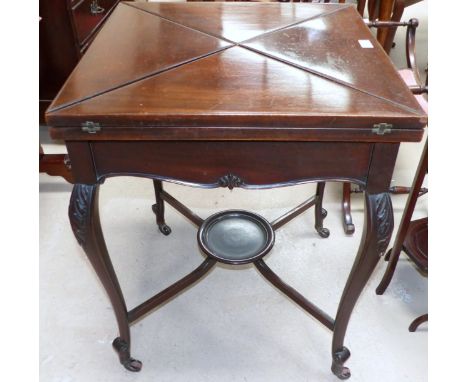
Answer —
278 71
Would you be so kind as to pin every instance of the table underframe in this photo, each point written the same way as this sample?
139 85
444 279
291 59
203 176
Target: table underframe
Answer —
378 226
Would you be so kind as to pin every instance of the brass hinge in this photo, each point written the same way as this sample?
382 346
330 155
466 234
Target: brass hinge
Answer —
90 127
382 128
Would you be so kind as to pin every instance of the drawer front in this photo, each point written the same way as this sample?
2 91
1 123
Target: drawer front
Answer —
88 15
254 164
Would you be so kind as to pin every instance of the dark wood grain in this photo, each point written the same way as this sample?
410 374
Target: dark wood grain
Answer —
415 244
238 117
65 29
240 87
256 163
85 20
56 165
143 47
57 50
308 46
236 22
82 162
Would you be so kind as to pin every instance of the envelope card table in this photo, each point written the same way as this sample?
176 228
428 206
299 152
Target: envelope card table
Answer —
251 95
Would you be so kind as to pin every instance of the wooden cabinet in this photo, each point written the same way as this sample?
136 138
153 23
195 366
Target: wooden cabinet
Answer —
65 30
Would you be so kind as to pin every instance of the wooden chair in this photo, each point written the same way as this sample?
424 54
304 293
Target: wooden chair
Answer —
413 79
387 10
412 236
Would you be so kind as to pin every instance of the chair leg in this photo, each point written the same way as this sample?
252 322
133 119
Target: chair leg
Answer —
392 255
404 224
320 213
346 208
158 208
418 321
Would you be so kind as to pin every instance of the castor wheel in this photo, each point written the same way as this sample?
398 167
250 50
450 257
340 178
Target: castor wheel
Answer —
343 373
324 213
165 229
323 232
122 348
132 364
339 358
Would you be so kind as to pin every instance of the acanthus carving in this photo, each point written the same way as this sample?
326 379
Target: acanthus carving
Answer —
230 181
79 210
384 215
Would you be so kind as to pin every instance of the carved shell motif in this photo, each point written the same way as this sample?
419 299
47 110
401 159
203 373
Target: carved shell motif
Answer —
230 181
79 209
384 214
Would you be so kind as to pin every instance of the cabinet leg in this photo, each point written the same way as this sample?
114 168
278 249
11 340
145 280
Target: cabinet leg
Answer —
320 212
378 227
84 219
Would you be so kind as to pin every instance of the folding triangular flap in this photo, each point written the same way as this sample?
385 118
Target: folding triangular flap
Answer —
131 45
339 48
238 21
227 88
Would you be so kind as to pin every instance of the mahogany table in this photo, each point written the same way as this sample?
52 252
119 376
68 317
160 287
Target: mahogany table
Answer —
251 95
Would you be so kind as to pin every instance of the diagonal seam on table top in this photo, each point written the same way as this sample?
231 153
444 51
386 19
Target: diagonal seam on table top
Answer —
394 104
344 6
124 84
177 23
131 5
163 70
318 73
152 73
331 78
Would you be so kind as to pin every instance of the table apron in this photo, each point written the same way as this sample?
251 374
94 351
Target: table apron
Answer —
222 163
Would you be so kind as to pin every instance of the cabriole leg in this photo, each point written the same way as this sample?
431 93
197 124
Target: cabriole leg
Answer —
320 212
158 208
378 227
84 219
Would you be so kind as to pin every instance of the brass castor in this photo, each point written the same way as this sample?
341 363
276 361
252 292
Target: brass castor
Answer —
323 232
339 358
122 348
165 229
